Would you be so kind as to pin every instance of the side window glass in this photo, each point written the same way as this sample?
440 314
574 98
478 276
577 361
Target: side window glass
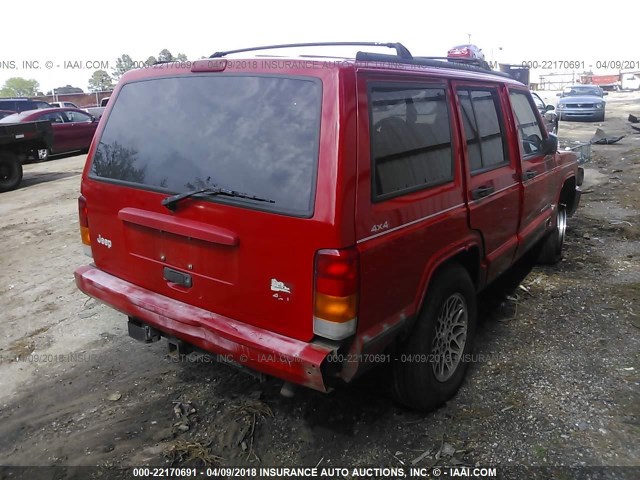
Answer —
78 117
529 130
470 130
53 117
484 132
538 101
410 139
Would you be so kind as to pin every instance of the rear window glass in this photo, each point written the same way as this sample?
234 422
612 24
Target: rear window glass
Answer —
254 134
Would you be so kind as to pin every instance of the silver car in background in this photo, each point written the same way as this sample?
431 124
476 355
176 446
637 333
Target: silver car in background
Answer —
582 102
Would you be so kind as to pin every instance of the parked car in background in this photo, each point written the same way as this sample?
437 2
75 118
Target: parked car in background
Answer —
312 223
21 104
73 129
582 102
41 104
64 105
466 51
470 54
549 116
98 111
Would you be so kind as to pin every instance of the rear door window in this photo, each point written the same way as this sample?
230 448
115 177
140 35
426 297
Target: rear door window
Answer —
254 134
483 127
410 139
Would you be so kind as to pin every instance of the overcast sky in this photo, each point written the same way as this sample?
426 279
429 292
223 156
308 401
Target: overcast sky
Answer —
59 31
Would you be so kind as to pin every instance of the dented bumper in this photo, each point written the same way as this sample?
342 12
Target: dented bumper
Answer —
267 352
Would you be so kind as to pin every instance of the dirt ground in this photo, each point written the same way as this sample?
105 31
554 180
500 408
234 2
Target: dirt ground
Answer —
556 381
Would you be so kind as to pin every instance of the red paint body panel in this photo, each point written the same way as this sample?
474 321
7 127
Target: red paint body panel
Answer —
186 228
226 279
274 354
499 238
419 226
233 252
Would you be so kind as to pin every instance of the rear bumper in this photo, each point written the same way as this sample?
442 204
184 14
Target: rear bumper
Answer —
283 357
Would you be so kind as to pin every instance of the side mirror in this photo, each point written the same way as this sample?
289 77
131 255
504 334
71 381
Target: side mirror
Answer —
550 144
93 119
549 108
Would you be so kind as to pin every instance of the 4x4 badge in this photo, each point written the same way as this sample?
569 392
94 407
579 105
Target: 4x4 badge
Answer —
379 227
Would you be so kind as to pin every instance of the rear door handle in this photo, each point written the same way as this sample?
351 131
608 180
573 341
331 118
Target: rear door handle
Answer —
529 174
482 192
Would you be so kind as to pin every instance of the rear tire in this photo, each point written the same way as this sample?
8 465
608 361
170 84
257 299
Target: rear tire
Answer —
10 171
430 366
552 244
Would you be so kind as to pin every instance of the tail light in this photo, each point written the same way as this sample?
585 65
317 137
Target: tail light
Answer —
335 312
84 225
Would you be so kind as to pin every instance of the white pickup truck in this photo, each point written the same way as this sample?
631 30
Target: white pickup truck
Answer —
98 111
64 105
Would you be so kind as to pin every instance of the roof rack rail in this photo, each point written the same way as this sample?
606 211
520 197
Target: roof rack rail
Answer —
438 62
400 49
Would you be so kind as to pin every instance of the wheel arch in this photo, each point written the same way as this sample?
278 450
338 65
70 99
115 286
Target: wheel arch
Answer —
468 255
567 196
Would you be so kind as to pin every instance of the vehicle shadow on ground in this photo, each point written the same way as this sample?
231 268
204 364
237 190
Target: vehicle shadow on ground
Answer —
35 178
367 404
490 300
227 403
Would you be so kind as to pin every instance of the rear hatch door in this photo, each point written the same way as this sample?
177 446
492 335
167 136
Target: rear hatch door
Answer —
242 258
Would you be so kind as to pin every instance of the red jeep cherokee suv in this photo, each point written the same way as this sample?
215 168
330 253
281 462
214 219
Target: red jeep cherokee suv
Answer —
311 218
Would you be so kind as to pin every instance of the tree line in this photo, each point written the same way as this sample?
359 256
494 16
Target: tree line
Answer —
100 80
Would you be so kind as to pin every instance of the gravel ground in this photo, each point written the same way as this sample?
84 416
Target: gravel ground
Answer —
555 382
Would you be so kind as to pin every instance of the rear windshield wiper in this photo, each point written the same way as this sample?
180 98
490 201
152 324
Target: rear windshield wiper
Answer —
172 202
